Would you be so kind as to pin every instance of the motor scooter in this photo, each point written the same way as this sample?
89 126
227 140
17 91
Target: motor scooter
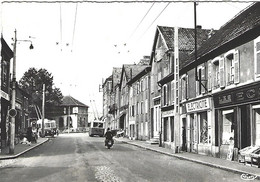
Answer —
109 143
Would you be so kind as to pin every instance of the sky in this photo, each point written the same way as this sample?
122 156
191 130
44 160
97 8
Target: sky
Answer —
80 43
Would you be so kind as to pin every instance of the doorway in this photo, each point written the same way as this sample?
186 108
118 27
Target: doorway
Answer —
184 129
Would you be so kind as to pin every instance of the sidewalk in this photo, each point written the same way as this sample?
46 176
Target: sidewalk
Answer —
232 166
20 149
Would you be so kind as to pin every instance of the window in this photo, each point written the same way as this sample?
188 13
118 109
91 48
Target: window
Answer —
131 91
165 95
201 83
141 86
232 67
141 107
257 57
133 110
209 84
138 87
184 87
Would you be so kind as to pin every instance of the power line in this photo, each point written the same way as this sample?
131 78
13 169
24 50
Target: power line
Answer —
155 19
75 19
142 20
134 1
60 28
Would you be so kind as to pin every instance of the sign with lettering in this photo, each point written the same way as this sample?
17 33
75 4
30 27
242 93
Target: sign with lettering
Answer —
4 95
237 95
198 105
168 113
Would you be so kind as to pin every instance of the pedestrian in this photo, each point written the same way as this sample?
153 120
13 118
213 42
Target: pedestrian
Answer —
29 134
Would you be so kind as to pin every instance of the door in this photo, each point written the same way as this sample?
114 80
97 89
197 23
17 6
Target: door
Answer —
192 133
184 141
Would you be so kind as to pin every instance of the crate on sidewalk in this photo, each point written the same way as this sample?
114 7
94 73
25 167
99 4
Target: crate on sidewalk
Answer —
244 154
255 160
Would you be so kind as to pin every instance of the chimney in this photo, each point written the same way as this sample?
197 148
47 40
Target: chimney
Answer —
199 27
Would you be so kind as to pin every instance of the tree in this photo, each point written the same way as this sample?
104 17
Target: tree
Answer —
32 82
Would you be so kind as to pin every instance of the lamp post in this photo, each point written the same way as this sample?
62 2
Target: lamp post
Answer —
12 111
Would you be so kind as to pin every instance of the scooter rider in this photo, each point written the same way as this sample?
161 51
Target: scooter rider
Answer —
109 136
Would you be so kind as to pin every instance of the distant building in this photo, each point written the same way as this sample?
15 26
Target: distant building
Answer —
73 115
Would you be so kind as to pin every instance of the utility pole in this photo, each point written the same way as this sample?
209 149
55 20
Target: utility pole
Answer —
12 123
69 119
43 106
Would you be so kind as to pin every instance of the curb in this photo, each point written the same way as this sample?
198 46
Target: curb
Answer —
196 161
21 153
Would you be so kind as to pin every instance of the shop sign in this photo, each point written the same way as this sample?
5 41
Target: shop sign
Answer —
238 96
198 105
4 95
167 113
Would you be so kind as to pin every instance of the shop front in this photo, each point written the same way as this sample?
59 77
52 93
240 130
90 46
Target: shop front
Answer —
132 128
237 116
168 127
198 129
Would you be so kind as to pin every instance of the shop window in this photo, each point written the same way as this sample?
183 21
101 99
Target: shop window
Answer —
166 134
172 128
257 127
228 127
203 121
257 57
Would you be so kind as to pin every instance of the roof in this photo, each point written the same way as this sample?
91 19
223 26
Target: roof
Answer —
131 70
106 80
244 22
186 37
70 101
116 75
146 70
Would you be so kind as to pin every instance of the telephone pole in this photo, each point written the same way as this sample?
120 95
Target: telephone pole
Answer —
43 111
12 123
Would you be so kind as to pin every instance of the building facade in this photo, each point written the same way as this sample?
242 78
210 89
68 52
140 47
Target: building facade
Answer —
223 82
204 101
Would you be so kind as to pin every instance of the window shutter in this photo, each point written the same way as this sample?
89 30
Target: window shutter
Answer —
222 72
257 56
236 66
187 84
209 76
203 82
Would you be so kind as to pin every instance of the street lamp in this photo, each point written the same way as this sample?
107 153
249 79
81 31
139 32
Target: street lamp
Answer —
12 124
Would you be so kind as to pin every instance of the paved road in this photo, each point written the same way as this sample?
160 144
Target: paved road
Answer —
78 157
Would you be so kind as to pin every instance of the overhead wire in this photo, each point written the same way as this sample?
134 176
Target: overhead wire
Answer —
155 20
142 19
60 27
130 1
74 28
